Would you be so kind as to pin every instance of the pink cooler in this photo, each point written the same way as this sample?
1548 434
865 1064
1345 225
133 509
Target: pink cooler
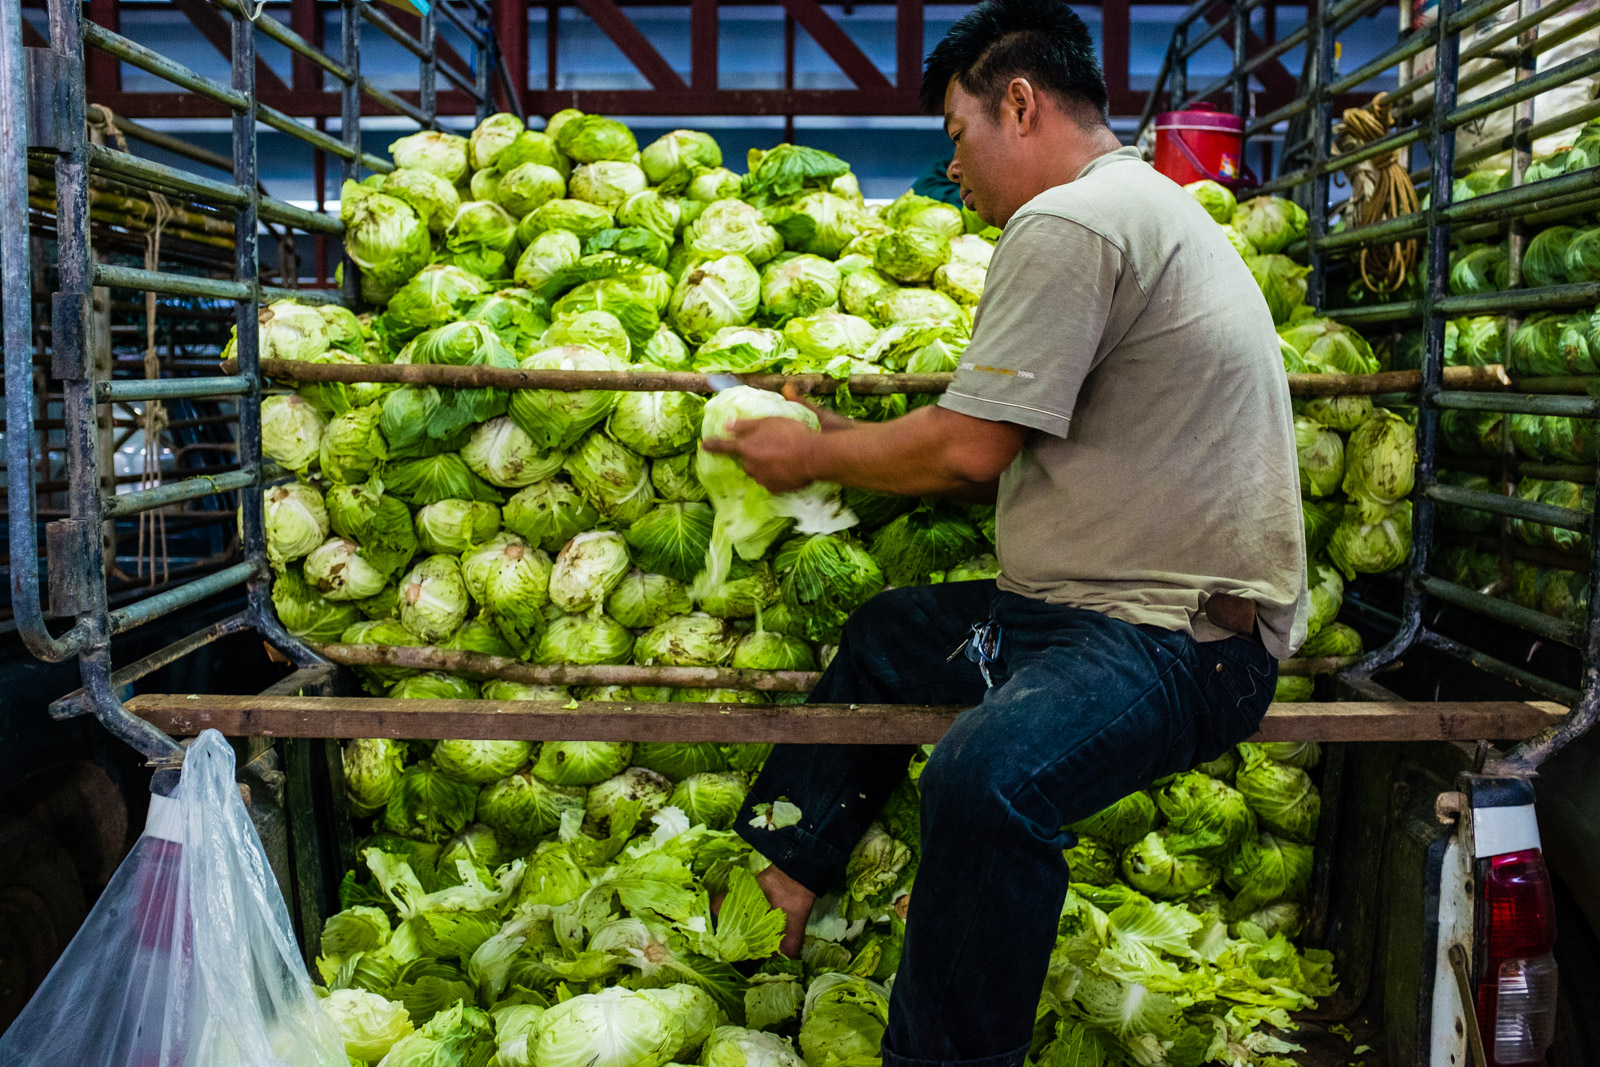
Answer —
1199 142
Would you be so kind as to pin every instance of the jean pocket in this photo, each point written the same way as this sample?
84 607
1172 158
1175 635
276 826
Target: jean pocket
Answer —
1240 678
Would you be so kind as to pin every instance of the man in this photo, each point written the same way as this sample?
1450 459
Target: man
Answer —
1124 399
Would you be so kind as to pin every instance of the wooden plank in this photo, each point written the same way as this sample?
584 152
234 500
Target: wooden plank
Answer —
317 716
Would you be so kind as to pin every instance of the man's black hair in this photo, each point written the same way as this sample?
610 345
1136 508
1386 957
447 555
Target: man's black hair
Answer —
1042 40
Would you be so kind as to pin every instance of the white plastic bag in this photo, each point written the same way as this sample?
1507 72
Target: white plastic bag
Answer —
188 959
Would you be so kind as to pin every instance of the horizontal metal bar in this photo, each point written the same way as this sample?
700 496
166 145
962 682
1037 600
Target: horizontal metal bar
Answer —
472 34
156 281
394 32
1211 33
300 218
1275 49
1463 19
1272 118
1373 314
269 293
1527 89
1418 42
1499 206
1281 183
312 136
1498 668
291 40
1585 294
155 63
1573 407
1497 66
1388 143
1194 11
462 82
157 175
165 603
76 703
141 500
1398 228
1504 610
1545 557
1543 128
125 390
394 103
1585 181
1514 507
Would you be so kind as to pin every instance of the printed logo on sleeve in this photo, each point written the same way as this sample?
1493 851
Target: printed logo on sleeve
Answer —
1007 372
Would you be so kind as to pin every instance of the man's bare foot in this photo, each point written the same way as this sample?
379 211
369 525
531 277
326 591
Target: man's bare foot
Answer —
792 898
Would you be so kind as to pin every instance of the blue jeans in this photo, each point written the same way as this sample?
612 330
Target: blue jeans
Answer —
1085 709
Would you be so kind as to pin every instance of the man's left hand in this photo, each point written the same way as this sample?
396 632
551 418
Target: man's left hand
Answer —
777 452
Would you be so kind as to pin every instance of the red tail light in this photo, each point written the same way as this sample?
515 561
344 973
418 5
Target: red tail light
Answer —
1517 984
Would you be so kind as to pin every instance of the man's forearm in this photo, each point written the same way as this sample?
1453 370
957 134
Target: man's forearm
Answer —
911 456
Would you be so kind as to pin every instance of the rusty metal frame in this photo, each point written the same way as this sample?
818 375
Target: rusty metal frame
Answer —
47 95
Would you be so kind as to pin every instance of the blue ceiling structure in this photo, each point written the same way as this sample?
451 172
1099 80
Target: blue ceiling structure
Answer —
886 150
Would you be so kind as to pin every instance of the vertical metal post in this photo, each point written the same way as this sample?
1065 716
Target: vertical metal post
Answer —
788 75
1241 82
247 271
72 365
16 277
1516 243
483 62
552 45
1442 155
1321 43
427 74
1179 78
350 123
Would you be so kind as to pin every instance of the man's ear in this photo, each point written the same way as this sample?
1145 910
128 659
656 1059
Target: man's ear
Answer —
1022 104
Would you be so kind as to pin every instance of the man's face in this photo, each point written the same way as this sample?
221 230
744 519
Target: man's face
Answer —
986 158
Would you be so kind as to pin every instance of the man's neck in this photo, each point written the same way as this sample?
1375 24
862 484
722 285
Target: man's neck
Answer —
1078 150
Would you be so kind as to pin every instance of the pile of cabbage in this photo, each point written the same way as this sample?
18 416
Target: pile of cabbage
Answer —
551 905
587 527
1357 461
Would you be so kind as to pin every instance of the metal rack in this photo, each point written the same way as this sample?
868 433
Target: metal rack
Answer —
1430 109
43 121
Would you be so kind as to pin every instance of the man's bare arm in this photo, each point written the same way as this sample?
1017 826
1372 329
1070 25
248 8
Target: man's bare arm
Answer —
931 451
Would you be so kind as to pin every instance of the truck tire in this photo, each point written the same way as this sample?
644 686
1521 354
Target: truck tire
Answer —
41 907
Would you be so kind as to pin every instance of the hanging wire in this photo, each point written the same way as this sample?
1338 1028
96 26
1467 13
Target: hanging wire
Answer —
153 418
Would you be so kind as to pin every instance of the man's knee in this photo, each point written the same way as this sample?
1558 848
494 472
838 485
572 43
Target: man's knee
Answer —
976 778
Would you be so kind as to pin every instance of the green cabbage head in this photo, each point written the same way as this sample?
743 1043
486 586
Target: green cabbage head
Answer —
748 517
1152 867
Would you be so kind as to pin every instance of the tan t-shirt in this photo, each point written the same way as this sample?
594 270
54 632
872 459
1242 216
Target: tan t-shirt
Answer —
1121 327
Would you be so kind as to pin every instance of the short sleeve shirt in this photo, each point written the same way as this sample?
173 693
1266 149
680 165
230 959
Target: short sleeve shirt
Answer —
1122 329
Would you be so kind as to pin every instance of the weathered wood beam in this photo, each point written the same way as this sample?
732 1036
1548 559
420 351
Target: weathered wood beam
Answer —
320 716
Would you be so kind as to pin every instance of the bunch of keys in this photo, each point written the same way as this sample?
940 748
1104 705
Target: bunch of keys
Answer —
982 648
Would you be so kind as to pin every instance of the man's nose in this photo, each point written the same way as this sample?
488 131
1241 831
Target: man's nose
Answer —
953 172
